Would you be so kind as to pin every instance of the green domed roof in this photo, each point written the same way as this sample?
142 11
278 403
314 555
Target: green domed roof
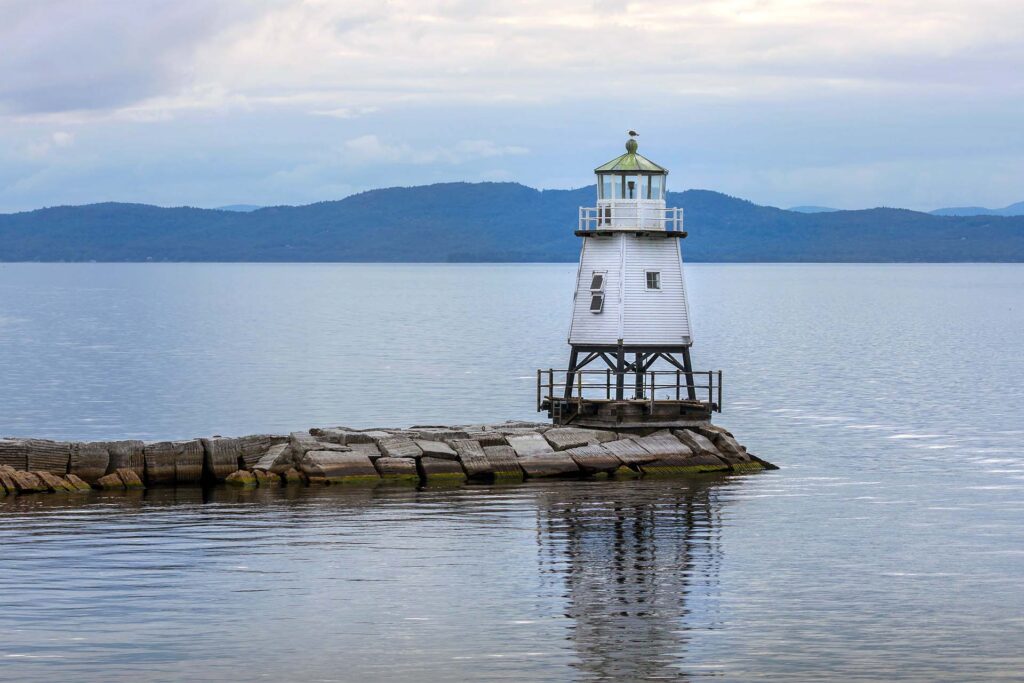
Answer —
630 162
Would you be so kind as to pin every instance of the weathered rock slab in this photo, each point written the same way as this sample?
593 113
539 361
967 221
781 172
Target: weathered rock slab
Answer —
80 484
503 462
698 443
551 464
437 449
437 433
89 461
254 446
564 438
13 453
128 478
472 458
684 463
594 459
338 466
221 456
125 454
399 447
109 482
487 438
440 469
369 449
170 462
529 444
277 459
629 452
397 469
48 456
53 482
662 445
7 481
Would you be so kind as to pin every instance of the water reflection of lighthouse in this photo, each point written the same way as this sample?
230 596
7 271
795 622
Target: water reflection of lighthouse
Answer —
640 570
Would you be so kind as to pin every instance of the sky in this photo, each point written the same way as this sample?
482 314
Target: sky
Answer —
841 103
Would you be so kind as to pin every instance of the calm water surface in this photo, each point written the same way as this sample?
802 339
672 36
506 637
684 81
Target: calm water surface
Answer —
889 546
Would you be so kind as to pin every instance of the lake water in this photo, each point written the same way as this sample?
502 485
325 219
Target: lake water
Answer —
890 546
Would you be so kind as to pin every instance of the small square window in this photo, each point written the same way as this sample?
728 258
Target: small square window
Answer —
653 280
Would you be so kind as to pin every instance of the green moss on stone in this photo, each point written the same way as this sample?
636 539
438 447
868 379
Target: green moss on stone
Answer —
241 479
400 479
624 472
690 470
354 480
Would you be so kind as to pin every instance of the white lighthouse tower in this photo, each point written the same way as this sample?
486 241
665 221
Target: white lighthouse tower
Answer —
630 336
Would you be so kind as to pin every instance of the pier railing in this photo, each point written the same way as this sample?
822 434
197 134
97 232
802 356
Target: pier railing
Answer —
631 216
652 387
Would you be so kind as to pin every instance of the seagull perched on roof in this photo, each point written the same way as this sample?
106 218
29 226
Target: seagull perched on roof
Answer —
633 133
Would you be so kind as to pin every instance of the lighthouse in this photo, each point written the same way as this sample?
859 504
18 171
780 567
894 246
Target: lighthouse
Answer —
630 336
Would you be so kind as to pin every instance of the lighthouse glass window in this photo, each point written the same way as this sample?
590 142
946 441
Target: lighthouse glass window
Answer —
653 279
656 187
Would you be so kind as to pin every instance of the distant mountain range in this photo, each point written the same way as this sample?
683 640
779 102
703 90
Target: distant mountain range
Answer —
811 209
492 222
1011 210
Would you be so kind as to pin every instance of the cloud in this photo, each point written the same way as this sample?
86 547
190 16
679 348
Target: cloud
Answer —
291 100
346 112
371 149
344 58
41 147
63 55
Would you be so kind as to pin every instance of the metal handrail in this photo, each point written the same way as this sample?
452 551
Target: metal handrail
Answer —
630 217
550 389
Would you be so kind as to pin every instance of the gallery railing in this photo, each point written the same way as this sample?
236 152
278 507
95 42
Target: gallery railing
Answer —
676 386
630 216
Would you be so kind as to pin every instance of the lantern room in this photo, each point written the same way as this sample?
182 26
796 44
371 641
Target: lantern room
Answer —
631 196
631 177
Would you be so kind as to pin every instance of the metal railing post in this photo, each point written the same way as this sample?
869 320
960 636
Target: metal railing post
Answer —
719 391
539 402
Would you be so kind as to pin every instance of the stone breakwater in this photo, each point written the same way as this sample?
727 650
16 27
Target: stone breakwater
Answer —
511 451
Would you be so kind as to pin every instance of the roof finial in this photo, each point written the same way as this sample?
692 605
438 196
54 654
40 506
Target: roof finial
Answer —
631 142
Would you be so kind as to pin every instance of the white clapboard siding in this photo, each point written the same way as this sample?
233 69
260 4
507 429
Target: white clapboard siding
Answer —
658 316
632 313
599 253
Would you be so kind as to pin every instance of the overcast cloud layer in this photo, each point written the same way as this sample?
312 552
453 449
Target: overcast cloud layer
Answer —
840 103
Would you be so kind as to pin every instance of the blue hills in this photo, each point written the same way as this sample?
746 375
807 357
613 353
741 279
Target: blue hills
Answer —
490 222
1011 210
